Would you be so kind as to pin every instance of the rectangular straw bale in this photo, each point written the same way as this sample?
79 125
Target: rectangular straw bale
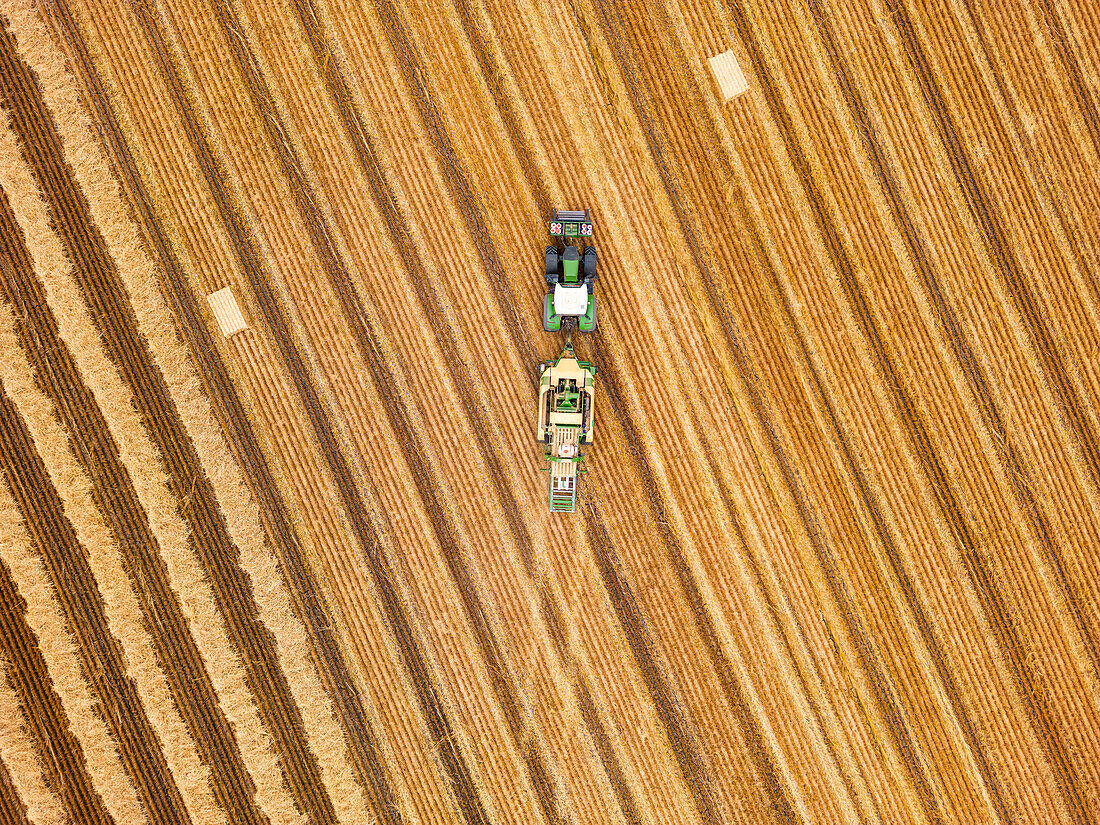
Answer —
731 80
226 311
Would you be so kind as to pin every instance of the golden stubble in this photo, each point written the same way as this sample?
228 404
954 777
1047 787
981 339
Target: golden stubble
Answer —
17 752
138 274
59 651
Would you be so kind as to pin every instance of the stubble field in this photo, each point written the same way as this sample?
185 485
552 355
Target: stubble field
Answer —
835 556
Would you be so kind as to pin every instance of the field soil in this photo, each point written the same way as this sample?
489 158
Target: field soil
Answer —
836 550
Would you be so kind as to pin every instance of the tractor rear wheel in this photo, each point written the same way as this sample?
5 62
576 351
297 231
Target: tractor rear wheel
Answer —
587 322
551 322
553 264
589 262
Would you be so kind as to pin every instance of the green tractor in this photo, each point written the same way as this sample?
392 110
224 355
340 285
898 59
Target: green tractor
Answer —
566 393
570 272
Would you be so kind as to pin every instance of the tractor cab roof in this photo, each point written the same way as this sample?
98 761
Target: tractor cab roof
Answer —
570 299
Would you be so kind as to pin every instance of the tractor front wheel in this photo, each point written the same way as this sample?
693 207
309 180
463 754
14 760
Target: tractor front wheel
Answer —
551 322
587 322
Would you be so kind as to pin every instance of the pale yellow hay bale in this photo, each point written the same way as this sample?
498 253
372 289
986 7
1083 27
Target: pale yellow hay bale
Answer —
226 311
731 80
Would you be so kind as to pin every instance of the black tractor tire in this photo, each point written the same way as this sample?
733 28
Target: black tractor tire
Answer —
589 261
591 313
553 264
548 316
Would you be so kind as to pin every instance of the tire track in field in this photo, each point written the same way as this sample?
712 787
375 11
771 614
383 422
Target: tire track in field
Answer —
1013 278
867 651
47 727
309 603
367 155
321 234
97 276
102 658
698 779
251 263
979 573
773 612
628 803
93 446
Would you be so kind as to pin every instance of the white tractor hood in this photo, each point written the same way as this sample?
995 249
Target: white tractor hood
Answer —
570 300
